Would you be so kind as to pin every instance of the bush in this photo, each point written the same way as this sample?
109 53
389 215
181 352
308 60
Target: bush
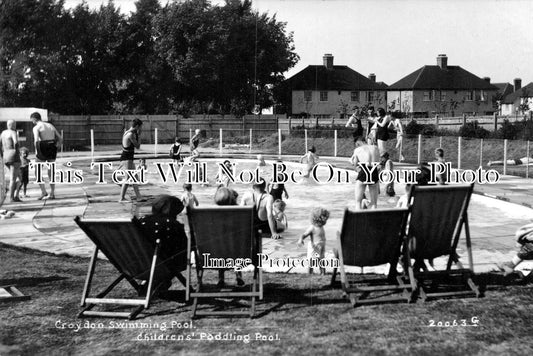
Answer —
413 128
473 130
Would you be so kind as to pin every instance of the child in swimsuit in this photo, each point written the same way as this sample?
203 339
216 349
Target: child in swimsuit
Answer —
175 151
278 210
24 168
316 247
311 159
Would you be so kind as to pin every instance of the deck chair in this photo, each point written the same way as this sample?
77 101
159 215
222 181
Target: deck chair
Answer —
225 232
371 238
438 214
135 257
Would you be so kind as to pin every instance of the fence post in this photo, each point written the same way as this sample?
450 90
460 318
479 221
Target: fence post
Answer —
279 143
220 145
481 153
62 142
150 131
190 138
440 142
505 157
464 119
289 125
459 141
305 131
155 141
250 140
495 122
92 145
419 149
437 121
527 155
335 147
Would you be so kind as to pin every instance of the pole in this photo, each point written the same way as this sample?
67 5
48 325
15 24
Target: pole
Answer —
505 157
279 143
440 142
527 155
155 145
419 149
220 145
250 140
335 147
459 141
305 131
481 153
62 142
92 144
190 138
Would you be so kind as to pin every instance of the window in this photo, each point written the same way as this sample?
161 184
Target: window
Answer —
442 96
354 96
430 95
370 96
469 95
323 96
308 95
482 95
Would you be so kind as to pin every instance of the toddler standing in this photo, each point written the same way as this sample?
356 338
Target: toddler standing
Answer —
316 247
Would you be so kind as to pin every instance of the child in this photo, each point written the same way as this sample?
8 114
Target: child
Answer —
175 151
195 141
316 247
311 159
24 168
222 178
439 157
188 198
278 210
386 165
524 237
260 161
277 189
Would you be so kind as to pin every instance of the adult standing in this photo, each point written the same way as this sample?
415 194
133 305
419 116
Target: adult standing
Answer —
195 141
396 123
47 140
382 129
367 156
354 122
264 219
130 141
11 157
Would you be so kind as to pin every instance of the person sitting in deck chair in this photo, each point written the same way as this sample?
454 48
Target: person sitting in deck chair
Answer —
524 240
162 224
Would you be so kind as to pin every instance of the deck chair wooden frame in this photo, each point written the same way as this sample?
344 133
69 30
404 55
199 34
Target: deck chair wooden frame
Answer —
133 256
225 232
438 215
371 238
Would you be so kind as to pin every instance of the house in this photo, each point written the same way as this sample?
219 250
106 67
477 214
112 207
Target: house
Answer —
505 89
332 90
442 89
520 102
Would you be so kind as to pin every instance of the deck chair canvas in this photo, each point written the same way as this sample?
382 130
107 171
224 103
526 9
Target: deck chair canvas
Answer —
438 214
133 255
371 238
225 232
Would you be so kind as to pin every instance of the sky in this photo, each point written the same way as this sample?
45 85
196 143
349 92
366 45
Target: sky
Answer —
393 38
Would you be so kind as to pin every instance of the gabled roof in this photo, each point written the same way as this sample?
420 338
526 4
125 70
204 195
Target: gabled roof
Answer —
433 77
524 92
318 77
504 89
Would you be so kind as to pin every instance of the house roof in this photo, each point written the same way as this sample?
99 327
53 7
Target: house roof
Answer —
504 88
318 77
524 92
433 77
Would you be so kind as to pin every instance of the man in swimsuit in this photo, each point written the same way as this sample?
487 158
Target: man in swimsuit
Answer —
355 123
11 157
367 155
195 141
264 220
130 141
382 129
47 140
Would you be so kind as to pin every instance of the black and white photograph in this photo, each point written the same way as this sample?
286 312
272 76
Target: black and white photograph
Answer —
270 177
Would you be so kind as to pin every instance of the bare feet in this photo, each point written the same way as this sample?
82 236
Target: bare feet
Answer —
43 196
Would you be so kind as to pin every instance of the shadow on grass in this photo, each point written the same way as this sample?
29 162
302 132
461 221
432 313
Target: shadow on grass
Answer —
31 281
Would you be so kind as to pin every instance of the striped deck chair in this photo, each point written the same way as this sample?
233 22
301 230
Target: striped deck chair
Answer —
438 214
135 257
371 238
225 232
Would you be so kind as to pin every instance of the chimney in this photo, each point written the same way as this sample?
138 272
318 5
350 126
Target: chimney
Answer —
517 84
487 79
372 77
442 61
328 60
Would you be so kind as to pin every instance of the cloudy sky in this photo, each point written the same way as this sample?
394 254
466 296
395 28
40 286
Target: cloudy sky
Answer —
393 38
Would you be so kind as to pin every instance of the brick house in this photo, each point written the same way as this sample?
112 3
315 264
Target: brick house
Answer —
520 102
442 89
330 90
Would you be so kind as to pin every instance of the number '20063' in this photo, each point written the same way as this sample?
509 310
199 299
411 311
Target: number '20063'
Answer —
474 321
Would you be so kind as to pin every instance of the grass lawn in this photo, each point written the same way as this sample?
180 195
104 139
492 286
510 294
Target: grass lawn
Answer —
302 312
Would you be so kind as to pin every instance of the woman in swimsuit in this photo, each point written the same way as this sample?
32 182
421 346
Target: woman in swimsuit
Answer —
11 157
